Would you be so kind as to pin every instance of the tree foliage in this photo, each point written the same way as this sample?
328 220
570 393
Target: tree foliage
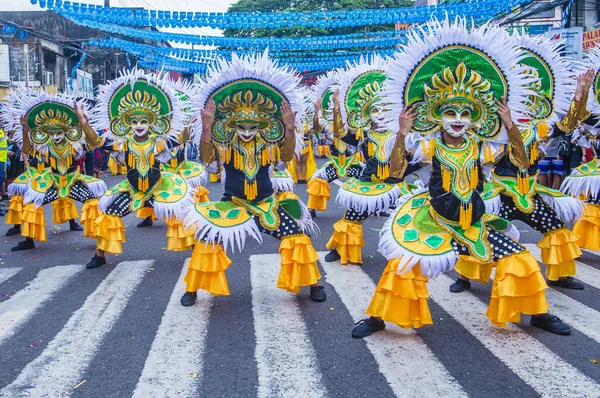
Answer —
308 5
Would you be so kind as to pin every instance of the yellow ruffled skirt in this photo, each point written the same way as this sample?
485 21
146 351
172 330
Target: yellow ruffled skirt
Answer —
319 193
110 233
518 289
33 222
347 239
401 299
15 210
298 263
63 210
559 251
146 212
206 270
178 239
89 214
588 228
473 269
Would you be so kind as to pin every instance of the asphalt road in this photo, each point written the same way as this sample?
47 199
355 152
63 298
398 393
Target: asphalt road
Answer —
119 331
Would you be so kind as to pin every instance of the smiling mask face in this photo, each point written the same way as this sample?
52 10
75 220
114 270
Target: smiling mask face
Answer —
456 121
57 135
140 125
247 130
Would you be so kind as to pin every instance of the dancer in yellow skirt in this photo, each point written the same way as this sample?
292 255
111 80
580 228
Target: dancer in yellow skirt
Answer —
373 190
56 133
584 181
63 210
249 119
515 193
143 117
344 159
457 89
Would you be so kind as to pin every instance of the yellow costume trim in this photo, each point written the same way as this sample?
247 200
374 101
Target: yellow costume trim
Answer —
518 289
206 270
401 299
559 251
110 233
347 239
588 228
319 193
200 195
298 263
474 269
89 214
33 222
63 210
286 195
15 210
178 239
146 212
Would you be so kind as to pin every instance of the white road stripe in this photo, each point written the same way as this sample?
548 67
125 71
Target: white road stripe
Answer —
20 307
284 354
405 360
59 367
7 273
585 273
338 183
176 357
532 361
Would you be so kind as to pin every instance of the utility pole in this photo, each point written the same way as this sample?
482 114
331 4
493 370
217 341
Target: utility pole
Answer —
26 53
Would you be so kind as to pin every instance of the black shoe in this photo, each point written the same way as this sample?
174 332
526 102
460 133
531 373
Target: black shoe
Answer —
318 294
188 299
332 256
96 262
384 214
146 222
2 212
567 282
73 226
460 286
366 327
313 213
550 323
15 230
23 245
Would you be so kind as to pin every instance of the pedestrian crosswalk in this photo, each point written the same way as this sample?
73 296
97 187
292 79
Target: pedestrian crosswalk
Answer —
286 354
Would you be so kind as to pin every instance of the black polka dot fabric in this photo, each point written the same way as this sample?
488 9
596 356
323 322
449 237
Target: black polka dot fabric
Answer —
354 216
355 171
120 205
543 218
288 226
501 245
79 192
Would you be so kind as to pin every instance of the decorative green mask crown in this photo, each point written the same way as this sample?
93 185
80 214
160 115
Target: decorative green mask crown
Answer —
541 106
362 97
456 84
48 117
142 98
248 101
